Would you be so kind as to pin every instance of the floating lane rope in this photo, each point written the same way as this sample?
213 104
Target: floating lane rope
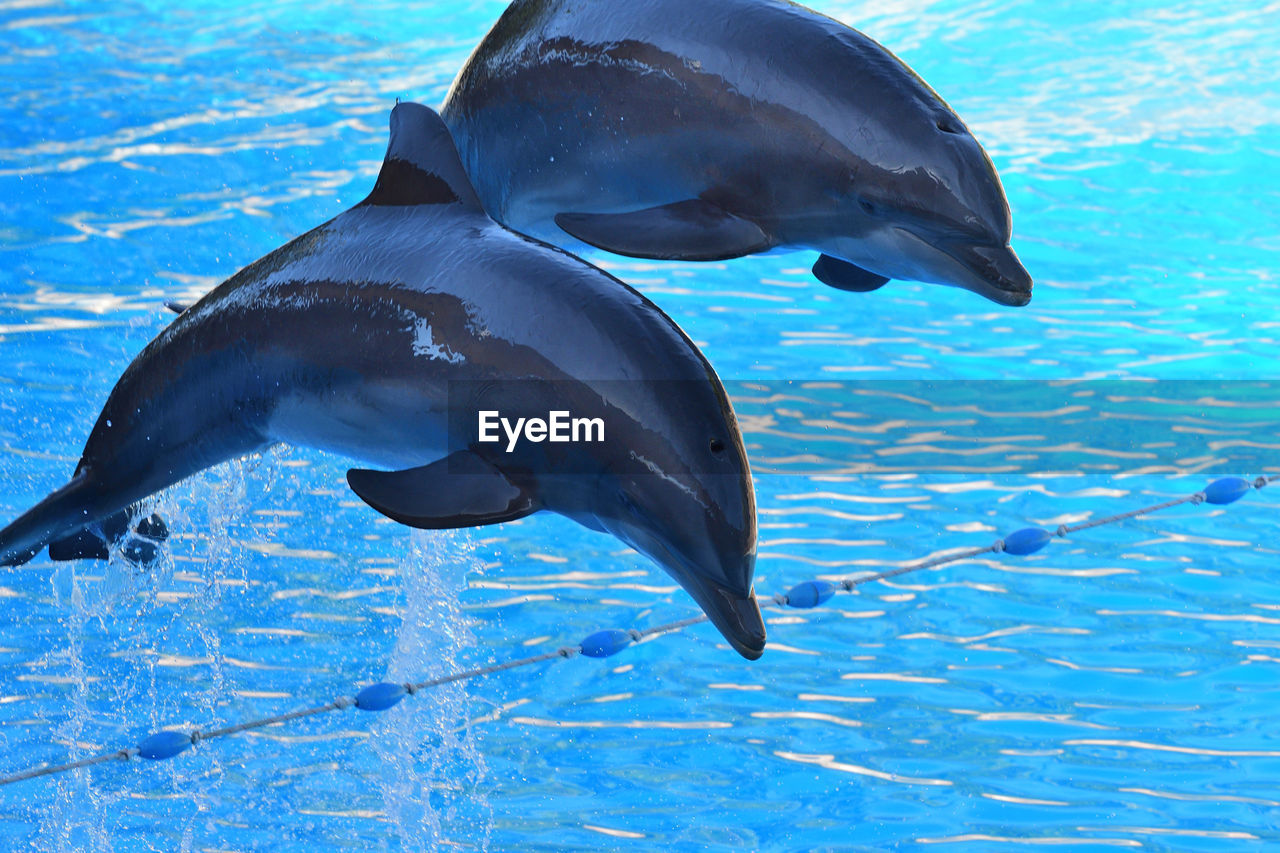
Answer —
807 594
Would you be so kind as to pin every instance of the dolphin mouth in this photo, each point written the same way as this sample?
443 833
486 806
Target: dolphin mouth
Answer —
992 271
987 269
736 616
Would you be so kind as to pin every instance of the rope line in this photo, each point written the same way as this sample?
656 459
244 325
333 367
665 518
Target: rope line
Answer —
119 755
379 697
1064 529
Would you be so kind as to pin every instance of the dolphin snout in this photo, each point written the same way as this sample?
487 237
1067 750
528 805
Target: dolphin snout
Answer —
994 272
989 269
736 616
1006 273
708 546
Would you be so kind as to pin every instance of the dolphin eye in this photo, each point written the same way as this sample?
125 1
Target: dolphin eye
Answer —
946 125
867 207
717 446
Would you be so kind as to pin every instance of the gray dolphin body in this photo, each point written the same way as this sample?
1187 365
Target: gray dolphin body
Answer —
719 128
368 334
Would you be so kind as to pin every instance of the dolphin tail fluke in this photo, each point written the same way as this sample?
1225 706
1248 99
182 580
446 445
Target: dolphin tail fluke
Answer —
94 542
63 512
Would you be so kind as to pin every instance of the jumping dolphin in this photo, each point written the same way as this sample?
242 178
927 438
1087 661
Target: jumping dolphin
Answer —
383 334
714 129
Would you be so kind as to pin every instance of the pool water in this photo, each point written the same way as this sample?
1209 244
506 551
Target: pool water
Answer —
1118 689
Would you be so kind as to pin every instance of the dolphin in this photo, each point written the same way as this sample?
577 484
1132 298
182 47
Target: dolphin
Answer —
383 335
721 128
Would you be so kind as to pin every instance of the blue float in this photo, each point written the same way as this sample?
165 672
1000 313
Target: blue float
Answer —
1226 490
810 593
380 696
1028 540
603 644
162 745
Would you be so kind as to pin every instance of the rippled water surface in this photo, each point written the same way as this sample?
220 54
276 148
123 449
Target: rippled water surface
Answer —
1118 689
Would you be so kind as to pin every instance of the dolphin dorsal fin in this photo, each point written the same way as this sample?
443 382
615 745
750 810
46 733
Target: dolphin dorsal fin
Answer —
422 164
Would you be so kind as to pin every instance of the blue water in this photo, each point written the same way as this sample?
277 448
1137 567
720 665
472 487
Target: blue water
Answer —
1116 690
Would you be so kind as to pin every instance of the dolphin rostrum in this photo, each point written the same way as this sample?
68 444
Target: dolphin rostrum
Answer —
383 335
720 128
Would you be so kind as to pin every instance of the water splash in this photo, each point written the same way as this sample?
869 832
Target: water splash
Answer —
432 768
137 649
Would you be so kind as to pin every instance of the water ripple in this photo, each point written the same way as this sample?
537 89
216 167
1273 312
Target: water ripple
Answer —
829 762
1039 841
149 150
1182 750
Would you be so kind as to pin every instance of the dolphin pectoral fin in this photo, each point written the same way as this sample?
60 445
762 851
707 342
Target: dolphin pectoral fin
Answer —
175 306
693 230
843 275
461 490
